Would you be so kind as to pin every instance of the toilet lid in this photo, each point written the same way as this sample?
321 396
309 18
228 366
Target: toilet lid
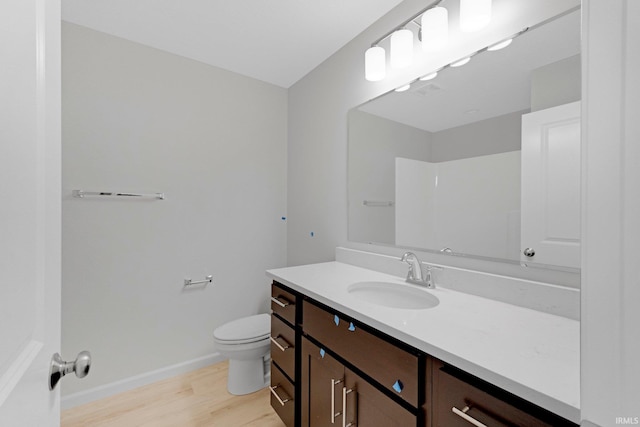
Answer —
244 330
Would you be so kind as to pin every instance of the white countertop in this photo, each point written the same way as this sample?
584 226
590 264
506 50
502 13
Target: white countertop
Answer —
531 354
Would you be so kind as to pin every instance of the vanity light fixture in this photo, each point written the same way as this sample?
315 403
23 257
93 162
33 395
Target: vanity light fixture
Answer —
429 76
434 29
375 64
461 62
500 45
401 48
474 15
433 24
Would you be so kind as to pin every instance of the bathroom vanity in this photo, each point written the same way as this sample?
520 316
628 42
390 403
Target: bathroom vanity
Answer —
341 359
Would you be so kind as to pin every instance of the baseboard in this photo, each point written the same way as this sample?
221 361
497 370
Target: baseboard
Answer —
106 390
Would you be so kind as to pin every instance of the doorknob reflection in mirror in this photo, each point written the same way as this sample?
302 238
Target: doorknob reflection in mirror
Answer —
60 368
529 252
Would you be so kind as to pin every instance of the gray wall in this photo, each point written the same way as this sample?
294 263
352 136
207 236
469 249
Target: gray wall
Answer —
491 136
374 144
139 119
556 84
317 126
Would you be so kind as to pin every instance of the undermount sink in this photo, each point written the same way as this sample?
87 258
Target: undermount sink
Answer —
393 295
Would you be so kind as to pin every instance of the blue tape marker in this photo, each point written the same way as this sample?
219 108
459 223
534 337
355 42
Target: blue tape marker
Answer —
284 218
398 386
312 234
336 320
352 327
322 353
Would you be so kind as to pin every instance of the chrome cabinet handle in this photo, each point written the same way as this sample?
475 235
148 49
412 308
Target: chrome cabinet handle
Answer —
59 368
280 303
345 392
463 414
282 348
334 414
529 252
273 391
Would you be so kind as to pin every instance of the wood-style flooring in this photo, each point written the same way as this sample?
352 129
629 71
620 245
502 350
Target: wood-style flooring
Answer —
196 399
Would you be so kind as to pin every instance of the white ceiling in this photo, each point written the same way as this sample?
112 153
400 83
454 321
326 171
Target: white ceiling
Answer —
275 41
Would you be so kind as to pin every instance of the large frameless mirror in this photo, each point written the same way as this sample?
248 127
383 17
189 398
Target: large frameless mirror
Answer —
479 161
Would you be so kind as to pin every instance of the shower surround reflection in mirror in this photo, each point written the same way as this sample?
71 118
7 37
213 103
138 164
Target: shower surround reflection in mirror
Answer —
449 165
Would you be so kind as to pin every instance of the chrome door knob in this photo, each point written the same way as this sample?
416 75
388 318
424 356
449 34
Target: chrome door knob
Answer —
529 252
60 368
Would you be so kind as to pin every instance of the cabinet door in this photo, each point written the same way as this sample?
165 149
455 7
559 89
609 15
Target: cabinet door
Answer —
322 381
365 405
550 229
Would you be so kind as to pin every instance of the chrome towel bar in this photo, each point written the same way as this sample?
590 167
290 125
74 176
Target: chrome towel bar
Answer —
207 280
377 204
82 194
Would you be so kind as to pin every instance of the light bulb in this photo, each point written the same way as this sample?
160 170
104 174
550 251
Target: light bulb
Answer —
474 15
401 48
374 64
461 62
435 29
429 76
500 45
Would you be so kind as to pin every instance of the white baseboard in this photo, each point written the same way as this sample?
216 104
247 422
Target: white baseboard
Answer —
106 390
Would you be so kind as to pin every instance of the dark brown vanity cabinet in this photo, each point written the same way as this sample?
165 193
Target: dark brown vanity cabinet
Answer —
331 370
284 344
334 395
461 400
352 376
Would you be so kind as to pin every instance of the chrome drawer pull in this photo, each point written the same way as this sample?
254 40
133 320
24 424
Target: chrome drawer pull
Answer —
273 340
463 415
280 303
344 407
273 391
334 414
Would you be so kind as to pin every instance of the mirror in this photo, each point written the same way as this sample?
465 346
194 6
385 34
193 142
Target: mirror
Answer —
442 166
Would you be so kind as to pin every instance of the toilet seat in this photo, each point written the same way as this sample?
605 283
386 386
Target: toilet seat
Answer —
243 331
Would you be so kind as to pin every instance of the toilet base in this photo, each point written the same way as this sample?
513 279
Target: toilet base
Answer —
247 376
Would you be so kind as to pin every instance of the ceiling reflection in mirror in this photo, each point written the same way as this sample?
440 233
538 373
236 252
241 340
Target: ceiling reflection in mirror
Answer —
439 167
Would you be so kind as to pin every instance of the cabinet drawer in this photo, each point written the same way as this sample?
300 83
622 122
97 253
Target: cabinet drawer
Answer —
283 303
393 367
455 398
283 338
282 393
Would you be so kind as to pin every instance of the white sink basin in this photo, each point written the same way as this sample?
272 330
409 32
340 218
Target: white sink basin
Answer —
393 295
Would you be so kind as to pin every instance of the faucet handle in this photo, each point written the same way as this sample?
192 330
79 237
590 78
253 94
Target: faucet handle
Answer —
430 281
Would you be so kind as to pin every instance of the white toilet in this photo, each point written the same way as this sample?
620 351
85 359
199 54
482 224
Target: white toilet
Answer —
246 343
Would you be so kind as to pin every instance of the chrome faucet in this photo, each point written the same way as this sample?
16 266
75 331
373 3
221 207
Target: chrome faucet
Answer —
415 271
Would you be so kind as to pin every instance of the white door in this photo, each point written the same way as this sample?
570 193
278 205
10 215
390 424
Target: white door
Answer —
29 210
550 229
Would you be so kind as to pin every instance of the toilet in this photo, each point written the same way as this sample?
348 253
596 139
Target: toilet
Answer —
245 342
